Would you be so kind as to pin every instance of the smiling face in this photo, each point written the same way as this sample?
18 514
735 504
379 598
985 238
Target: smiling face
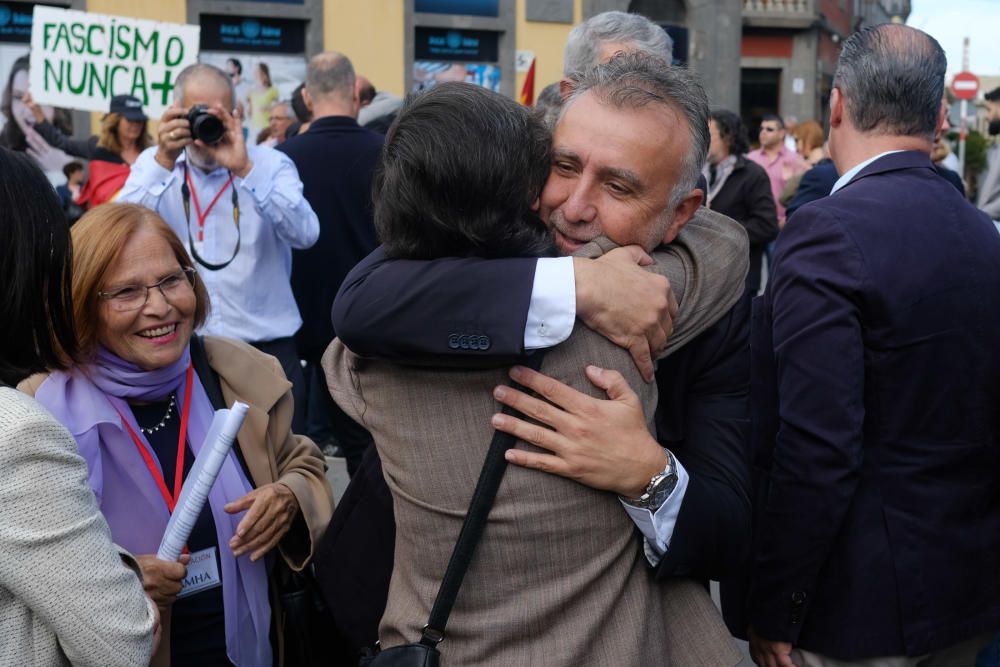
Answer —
613 171
156 334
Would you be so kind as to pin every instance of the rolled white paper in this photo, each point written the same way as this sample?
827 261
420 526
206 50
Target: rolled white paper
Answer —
221 435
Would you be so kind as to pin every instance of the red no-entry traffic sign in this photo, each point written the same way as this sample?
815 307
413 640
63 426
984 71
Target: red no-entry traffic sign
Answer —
965 85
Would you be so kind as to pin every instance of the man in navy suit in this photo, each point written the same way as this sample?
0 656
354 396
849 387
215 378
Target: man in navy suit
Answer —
336 160
877 386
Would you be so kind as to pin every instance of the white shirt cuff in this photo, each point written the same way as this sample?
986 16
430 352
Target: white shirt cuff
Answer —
659 528
552 311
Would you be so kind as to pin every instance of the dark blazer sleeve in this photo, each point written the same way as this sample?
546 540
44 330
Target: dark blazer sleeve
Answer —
400 309
814 469
762 215
711 537
53 137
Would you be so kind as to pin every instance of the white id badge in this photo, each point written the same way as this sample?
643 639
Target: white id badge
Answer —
202 573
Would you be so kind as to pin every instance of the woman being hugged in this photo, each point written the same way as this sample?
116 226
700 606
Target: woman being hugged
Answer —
66 593
140 410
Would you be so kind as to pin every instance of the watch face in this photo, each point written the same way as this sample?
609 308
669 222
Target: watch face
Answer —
664 487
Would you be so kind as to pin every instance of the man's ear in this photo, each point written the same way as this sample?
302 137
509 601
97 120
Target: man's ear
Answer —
566 87
683 213
836 108
307 99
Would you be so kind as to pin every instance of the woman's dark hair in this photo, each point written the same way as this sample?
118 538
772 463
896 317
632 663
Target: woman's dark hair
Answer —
36 306
732 130
266 71
461 170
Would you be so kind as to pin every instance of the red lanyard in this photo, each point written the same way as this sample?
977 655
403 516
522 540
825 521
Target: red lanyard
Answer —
154 470
197 207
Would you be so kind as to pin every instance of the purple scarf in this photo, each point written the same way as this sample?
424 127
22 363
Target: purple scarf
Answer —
87 402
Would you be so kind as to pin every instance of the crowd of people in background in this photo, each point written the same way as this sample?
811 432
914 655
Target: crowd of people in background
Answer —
769 364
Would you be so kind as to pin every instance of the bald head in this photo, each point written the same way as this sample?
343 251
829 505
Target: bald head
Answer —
330 75
201 82
892 78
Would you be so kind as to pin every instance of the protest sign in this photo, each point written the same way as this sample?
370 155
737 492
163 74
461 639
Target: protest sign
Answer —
81 60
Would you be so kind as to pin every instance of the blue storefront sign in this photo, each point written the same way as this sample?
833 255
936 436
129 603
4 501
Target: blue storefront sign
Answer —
15 22
467 7
449 44
249 34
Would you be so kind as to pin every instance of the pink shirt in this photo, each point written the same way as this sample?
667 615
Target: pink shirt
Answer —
779 169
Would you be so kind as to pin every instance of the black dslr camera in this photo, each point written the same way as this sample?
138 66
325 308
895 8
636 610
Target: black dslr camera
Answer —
204 125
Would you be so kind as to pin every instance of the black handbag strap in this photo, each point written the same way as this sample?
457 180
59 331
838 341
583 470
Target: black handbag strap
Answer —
475 521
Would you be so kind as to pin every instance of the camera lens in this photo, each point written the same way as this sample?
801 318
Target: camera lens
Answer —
208 128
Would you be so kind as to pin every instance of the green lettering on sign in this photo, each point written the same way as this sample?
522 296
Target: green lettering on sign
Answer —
57 79
139 83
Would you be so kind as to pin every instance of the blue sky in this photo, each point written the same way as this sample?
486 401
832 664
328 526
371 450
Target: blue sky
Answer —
948 21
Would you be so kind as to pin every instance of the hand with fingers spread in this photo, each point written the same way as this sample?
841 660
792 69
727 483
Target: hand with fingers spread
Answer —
270 510
173 135
626 304
603 444
769 653
162 578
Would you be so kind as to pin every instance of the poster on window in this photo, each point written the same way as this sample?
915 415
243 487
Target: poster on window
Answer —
16 119
427 74
260 81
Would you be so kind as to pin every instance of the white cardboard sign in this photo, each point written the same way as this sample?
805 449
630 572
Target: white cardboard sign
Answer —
81 60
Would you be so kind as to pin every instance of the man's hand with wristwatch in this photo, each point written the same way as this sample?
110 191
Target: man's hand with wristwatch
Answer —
659 488
603 444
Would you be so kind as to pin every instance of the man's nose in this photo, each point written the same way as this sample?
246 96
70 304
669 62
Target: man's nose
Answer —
580 207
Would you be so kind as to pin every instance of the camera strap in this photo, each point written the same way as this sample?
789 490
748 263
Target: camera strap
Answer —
188 193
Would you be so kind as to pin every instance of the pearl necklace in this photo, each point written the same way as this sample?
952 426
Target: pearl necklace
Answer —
163 422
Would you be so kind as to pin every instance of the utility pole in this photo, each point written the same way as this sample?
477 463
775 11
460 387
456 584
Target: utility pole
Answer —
963 110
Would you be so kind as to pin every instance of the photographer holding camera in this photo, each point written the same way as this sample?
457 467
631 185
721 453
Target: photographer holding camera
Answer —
239 210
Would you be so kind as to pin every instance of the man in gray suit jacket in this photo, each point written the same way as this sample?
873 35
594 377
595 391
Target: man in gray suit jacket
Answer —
559 577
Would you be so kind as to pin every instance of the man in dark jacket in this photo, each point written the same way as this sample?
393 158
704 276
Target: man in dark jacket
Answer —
876 380
336 160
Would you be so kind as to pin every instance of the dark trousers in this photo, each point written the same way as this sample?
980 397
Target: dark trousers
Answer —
283 349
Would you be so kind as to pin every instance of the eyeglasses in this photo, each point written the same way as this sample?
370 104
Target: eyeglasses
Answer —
134 297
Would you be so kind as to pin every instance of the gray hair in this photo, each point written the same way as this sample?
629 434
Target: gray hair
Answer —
330 73
548 104
892 80
584 44
200 70
635 80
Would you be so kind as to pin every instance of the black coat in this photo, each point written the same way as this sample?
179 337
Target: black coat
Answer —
746 198
336 160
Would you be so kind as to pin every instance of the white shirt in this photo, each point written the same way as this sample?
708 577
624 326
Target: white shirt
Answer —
856 169
551 316
251 299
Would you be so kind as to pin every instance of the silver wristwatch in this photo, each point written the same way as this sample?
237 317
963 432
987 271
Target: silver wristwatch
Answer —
658 489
